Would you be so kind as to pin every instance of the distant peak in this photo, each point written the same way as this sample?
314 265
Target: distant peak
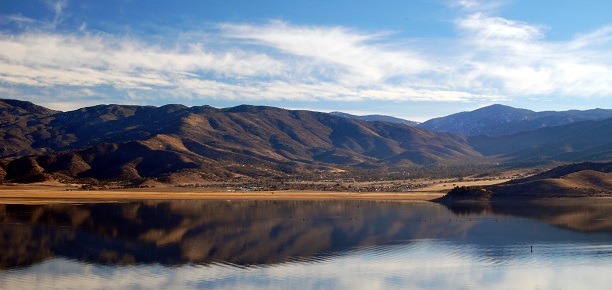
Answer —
170 108
249 109
498 108
495 107
374 117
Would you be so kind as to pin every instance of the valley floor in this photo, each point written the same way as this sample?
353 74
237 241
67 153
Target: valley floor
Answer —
62 193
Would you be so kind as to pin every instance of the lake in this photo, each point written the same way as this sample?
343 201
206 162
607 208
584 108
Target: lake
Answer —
197 244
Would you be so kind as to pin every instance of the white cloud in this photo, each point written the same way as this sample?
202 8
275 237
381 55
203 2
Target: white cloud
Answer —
51 60
491 59
339 65
488 29
479 5
514 59
351 57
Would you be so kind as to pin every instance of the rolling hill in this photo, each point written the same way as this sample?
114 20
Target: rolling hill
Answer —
586 179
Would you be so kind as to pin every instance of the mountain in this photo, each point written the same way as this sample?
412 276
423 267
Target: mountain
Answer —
115 142
175 142
575 142
376 118
498 120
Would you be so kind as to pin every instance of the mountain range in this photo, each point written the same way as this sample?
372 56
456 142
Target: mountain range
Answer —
494 120
120 142
499 120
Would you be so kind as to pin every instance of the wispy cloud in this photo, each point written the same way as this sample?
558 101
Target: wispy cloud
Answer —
349 56
49 59
17 19
490 59
489 6
496 30
58 8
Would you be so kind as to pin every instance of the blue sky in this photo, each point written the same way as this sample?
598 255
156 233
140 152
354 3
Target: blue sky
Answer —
411 59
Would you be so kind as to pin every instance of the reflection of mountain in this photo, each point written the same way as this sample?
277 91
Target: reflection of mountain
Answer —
246 232
202 232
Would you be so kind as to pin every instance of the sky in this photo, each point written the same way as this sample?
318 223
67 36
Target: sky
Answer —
415 59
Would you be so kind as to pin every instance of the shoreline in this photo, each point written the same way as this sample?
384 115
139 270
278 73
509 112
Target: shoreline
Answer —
66 194
55 192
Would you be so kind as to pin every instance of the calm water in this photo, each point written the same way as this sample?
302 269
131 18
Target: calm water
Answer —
304 245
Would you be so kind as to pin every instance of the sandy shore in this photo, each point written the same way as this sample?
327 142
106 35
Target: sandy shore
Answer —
58 193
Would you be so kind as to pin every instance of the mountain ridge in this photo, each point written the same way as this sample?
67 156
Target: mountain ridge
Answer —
383 118
127 142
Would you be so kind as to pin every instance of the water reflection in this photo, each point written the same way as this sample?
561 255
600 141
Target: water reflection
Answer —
179 232
261 243
581 215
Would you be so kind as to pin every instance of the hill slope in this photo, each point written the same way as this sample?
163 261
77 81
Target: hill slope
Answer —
587 179
574 180
580 141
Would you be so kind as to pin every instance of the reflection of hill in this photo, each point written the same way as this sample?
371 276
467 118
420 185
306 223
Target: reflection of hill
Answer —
594 216
181 232
525 197
585 217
